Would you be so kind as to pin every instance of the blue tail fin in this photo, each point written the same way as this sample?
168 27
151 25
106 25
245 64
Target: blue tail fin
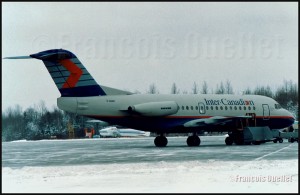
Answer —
70 76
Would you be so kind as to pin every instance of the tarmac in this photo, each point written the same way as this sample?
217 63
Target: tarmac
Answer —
23 153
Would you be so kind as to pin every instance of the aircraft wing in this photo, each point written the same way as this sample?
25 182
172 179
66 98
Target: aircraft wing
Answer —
215 120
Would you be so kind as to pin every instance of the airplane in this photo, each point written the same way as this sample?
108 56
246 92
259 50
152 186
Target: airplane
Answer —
109 132
161 113
125 132
115 132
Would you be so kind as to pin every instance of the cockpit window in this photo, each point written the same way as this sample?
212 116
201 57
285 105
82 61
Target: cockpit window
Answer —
277 106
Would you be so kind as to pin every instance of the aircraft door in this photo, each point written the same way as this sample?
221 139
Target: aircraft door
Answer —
266 111
201 108
252 120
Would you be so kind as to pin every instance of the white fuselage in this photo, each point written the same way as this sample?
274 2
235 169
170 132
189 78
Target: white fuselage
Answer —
188 107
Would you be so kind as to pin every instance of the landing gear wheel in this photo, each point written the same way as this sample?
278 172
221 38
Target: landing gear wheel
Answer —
228 141
161 141
193 140
280 140
275 140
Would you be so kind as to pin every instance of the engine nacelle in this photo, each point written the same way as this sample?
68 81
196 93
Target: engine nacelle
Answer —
155 108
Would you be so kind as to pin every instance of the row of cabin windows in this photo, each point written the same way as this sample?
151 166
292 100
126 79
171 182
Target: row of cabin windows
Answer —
218 107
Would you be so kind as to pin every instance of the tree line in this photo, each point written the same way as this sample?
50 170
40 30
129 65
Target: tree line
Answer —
38 122
286 94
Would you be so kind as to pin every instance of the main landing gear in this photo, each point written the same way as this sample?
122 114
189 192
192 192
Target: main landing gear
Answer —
162 141
193 140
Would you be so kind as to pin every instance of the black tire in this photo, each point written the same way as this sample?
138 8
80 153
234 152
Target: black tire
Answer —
228 141
280 140
193 140
160 141
275 141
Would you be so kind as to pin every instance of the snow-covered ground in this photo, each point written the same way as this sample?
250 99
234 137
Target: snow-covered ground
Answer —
258 175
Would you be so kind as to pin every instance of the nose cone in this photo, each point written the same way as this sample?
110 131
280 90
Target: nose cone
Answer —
290 117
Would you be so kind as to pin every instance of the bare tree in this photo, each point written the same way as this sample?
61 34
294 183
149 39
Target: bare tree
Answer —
220 89
41 107
195 89
228 87
287 93
174 89
184 92
12 124
204 88
137 92
153 89
265 91
247 91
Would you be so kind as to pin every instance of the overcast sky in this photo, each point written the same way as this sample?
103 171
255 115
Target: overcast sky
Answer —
132 45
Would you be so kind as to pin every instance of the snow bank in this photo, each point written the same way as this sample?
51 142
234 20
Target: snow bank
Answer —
189 176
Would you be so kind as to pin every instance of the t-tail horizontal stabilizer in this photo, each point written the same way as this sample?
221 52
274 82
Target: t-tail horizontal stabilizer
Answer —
18 57
69 75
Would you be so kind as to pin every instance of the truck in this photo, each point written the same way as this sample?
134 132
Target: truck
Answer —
289 133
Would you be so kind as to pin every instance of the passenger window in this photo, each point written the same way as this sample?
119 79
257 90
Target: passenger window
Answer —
192 108
182 107
245 108
230 107
249 107
196 107
253 107
217 108
235 107
207 107
187 107
212 108
221 107
225 107
240 107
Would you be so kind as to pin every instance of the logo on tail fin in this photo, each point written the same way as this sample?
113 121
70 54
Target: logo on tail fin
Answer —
75 73
68 73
